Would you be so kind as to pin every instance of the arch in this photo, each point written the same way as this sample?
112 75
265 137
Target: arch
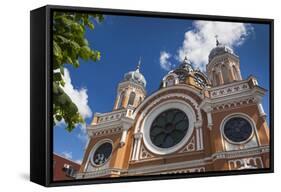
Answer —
132 98
225 74
121 98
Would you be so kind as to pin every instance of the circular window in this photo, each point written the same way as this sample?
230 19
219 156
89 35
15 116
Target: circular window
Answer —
169 128
237 129
102 154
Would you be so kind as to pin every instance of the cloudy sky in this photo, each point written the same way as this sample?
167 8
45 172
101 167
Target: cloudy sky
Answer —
162 44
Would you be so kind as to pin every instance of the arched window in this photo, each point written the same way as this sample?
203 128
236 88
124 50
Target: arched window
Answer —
132 98
170 81
214 77
218 79
235 73
121 98
225 74
140 100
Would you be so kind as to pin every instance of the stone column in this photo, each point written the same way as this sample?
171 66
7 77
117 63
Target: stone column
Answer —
199 135
261 111
137 142
208 110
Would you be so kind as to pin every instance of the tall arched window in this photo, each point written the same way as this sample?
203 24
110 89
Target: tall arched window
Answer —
140 100
235 73
121 98
132 98
225 74
218 79
214 77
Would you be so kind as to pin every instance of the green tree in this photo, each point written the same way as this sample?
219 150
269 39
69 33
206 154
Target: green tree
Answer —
70 45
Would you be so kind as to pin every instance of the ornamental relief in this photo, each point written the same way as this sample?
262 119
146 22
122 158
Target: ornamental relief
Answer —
144 154
233 104
106 132
189 147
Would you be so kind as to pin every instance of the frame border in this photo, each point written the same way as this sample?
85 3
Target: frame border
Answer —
41 170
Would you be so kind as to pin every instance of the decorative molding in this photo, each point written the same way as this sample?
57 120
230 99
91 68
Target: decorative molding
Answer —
111 116
229 90
144 154
169 168
111 123
200 162
233 104
107 131
189 147
100 173
191 170
246 163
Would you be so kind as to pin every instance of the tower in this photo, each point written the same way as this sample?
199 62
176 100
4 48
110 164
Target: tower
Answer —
131 90
108 149
223 66
235 114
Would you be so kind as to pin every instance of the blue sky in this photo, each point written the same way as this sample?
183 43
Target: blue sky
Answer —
123 40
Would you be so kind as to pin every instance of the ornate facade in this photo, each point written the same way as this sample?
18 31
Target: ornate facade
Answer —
195 122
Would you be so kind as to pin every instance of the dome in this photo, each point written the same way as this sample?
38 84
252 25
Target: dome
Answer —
219 50
135 76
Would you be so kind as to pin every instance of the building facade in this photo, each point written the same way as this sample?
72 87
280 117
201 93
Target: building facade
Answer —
195 122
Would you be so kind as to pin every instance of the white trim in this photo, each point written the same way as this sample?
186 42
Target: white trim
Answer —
170 104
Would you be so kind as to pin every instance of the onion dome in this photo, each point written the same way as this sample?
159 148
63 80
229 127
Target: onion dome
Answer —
135 76
220 49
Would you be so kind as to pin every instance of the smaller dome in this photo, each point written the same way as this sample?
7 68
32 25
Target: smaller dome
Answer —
219 50
187 65
135 76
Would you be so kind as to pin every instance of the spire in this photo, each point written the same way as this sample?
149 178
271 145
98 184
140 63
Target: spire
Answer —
217 40
139 64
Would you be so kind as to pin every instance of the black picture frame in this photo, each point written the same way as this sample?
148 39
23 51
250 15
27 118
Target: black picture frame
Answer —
41 133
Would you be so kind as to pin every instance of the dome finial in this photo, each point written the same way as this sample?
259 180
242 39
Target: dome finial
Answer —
185 59
139 64
217 40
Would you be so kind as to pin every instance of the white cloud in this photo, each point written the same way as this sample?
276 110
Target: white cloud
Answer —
199 41
82 135
164 60
67 155
78 96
